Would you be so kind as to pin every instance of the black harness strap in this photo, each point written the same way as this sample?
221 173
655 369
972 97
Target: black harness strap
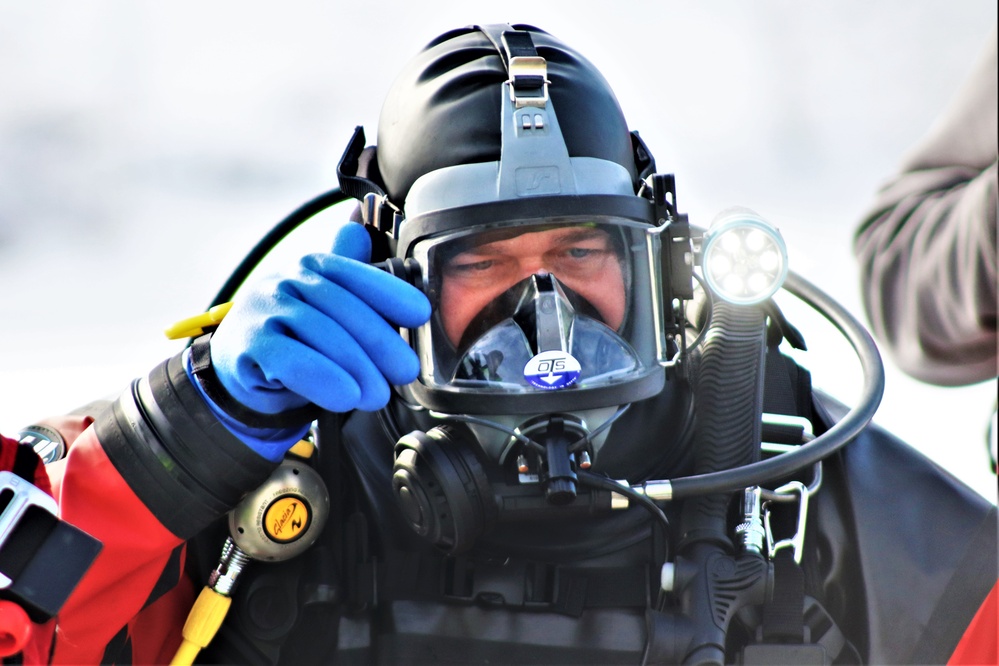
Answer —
512 583
352 164
512 43
617 587
321 589
784 616
357 172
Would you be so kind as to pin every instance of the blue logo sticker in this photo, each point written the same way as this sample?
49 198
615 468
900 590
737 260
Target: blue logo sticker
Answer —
552 370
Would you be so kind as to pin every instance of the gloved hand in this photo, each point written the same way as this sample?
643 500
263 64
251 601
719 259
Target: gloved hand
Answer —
321 334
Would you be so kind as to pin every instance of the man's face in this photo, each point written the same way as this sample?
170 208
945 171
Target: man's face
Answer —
582 258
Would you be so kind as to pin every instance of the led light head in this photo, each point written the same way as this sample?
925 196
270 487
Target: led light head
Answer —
743 257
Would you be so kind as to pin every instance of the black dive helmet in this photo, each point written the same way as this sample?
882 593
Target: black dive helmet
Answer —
470 149
474 170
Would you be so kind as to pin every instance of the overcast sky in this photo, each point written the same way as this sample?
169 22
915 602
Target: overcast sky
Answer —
146 146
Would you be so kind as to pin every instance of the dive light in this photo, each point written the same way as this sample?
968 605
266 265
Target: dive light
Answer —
743 257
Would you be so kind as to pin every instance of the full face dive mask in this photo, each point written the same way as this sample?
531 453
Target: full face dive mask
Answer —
541 334
556 316
545 270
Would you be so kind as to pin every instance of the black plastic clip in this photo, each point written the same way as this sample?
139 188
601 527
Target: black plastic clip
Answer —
42 558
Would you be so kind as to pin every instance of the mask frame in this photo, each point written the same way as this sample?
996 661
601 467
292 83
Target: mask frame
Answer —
642 329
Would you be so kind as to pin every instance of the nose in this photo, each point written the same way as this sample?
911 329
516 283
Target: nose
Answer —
532 265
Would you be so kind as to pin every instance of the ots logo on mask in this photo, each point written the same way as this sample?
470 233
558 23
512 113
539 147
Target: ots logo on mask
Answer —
552 370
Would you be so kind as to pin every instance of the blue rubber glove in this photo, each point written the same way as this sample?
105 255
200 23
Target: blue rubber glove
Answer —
322 333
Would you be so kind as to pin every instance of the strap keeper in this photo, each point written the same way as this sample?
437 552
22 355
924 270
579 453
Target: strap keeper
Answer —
377 211
201 366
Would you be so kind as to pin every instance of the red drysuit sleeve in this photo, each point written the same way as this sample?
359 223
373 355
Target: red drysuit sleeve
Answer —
93 496
980 643
154 469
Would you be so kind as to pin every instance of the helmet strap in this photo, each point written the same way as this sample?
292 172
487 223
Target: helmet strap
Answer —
354 171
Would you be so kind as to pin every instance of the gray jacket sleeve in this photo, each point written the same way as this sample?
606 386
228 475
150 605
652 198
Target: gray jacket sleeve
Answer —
927 247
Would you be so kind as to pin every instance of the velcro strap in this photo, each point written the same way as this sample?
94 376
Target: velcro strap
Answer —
601 587
347 170
201 364
514 582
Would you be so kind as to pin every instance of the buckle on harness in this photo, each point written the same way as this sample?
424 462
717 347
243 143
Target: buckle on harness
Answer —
797 540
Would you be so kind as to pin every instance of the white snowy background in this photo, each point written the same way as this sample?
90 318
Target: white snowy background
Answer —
146 146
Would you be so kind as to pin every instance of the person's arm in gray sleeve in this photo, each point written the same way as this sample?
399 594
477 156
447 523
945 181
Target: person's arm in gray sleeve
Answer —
927 247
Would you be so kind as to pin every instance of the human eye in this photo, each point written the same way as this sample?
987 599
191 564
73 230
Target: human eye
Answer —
474 267
469 262
586 250
580 252
469 266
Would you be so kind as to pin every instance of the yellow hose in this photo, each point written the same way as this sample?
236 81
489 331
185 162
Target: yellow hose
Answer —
202 624
193 326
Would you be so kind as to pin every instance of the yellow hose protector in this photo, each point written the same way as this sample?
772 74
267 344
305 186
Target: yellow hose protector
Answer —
196 325
303 449
202 624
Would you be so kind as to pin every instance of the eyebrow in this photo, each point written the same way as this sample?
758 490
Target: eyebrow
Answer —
584 234
480 250
575 234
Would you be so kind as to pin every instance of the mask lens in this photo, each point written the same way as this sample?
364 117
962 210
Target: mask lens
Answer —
531 307
476 270
503 358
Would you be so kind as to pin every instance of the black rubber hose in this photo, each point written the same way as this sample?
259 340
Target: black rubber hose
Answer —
838 436
291 222
728 403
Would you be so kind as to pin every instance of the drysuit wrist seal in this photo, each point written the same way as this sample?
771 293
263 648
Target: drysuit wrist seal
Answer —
201 366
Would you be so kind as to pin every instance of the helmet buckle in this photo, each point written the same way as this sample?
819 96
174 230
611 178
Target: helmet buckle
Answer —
528 81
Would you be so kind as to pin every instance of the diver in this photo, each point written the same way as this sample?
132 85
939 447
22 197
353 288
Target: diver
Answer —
458 454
